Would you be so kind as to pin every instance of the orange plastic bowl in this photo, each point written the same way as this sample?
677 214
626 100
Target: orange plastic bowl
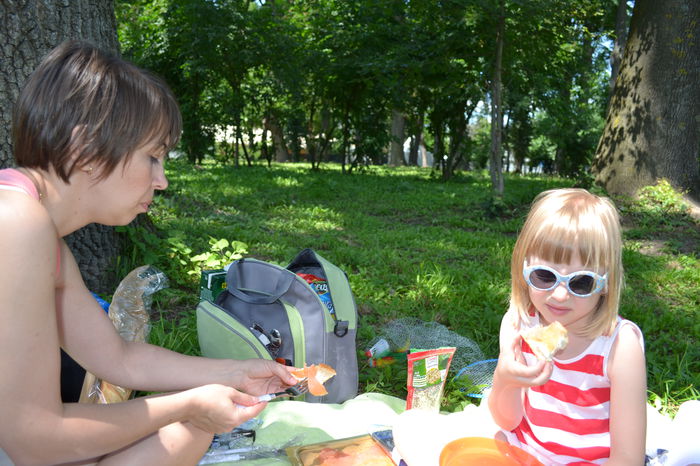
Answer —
484 452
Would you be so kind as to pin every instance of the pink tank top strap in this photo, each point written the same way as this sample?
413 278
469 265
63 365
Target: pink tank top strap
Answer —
14 180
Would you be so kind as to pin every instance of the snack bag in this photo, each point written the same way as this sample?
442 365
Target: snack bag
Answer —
320 286
427 373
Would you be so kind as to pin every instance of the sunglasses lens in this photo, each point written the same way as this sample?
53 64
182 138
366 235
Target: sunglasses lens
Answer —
542 279
582 284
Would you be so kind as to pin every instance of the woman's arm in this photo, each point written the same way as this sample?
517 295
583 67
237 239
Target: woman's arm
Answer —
30 404
512 375
89 336
627 372
80 431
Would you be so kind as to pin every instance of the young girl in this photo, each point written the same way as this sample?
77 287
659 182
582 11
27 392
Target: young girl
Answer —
587 405
91 133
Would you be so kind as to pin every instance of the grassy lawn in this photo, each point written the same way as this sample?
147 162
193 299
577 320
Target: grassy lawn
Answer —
416 247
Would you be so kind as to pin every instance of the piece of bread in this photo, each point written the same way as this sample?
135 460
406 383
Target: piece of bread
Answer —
317 374
113 393
546 341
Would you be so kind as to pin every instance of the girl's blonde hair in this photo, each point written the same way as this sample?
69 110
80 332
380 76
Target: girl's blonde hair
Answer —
561 224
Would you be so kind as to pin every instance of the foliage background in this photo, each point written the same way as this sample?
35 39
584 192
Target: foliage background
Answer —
325 81
325 78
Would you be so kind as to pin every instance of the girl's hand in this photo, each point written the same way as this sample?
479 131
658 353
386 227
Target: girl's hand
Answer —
218 408
261 376
512 370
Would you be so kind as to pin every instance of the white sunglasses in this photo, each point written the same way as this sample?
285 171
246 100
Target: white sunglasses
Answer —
582 283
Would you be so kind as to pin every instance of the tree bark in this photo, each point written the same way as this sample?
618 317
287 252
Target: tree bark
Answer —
281 151
398 124
496 162
30 29
417 141
652 130
621 26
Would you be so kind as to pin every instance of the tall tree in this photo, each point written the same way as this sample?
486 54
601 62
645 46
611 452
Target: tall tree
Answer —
621 26
30 28
652 129
398 124
496 163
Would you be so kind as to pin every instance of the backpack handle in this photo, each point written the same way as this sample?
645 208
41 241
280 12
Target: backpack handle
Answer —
284 281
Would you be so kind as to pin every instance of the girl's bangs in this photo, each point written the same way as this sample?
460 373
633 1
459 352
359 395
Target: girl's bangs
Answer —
559 241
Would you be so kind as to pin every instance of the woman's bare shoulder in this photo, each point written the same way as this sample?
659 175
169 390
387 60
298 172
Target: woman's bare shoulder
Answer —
19 210
28 232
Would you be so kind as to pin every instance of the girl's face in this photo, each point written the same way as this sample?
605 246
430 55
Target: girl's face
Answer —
559 304
128 190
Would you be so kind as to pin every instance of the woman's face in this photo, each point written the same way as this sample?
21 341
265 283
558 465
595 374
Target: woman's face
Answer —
128 190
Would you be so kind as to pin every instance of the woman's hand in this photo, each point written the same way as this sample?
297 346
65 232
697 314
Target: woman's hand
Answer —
218 408
261 376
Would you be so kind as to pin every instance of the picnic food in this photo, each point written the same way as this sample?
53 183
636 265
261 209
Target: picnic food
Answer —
546 341
427 373
130 314
317 374
354 451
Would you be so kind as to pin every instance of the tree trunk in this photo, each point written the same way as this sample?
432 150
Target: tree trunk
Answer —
326 132
281 152
311 139
652 130
496 165
621 26
417 141
398 123
30 29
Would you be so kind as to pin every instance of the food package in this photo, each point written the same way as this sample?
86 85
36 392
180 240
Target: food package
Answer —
427 373
354 451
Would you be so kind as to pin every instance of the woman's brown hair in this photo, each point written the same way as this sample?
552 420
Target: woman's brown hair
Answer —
85 107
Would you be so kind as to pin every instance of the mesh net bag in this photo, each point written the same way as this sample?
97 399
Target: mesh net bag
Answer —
405 333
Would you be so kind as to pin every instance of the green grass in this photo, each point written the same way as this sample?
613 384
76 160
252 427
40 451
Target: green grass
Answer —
414 246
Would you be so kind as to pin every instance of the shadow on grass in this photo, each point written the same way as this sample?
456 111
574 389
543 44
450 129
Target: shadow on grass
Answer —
416 246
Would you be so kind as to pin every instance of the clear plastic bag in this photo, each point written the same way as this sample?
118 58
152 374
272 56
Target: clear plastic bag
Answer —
130 312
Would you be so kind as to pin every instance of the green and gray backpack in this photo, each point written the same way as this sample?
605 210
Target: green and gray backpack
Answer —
302 314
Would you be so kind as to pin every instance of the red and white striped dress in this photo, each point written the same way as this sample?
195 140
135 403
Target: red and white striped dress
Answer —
567 420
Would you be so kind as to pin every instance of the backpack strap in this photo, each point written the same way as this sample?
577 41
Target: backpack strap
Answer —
234 278
341 328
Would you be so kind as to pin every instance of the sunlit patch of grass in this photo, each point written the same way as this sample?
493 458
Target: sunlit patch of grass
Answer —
414 246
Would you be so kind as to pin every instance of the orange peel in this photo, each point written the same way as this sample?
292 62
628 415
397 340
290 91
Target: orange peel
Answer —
317 375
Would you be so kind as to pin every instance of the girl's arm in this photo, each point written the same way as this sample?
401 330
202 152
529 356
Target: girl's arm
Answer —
512 375
627 372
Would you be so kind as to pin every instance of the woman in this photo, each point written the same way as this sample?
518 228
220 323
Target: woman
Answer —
91 133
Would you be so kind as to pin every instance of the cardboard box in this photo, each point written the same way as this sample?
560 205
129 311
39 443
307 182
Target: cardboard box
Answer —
212 283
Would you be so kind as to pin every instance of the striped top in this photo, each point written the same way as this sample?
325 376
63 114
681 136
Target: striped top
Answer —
567 420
